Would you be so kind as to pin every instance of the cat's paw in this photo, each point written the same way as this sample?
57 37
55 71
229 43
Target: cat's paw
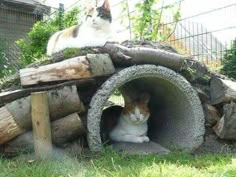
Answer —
137 140
145 139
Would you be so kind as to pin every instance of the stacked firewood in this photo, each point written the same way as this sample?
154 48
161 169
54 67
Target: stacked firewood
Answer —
70 84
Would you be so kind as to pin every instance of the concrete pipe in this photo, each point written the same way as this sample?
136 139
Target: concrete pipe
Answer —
177 118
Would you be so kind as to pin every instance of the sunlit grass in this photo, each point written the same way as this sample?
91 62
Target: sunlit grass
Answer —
110 163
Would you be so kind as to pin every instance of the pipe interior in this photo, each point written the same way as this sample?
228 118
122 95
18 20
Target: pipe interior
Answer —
171 123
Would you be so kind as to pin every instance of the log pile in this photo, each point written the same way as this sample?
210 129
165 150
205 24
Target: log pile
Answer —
70 84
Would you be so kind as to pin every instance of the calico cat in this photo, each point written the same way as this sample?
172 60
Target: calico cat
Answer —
132 124
93 32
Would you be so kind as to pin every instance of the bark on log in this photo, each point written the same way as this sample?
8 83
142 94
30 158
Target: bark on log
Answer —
80 67
8 96
63 130
121 55
62 102
212 115
222 90
41 125
8 127
226 126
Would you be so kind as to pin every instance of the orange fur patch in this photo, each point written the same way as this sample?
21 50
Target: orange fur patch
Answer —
69 32
129 108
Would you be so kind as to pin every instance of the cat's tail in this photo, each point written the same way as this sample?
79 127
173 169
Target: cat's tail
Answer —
52 43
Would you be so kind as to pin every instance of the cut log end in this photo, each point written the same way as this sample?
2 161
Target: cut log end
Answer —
226 126
222 91
8 127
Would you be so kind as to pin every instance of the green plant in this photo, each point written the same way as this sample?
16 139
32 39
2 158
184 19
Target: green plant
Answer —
34 46
148 19
2 56
5 66
110 163
229 61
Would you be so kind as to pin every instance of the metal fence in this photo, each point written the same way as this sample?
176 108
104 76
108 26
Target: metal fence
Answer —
190 34
204 34
16 20
14 24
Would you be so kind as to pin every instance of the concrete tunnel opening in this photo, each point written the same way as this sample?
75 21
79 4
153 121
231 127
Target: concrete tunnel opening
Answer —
176 116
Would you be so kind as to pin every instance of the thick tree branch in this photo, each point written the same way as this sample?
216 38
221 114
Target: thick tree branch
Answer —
121 55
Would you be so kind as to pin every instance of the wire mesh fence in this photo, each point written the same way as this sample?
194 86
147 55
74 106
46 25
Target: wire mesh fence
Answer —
204 35
190 33
16 20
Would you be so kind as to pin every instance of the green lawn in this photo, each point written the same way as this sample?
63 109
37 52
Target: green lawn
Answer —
110 163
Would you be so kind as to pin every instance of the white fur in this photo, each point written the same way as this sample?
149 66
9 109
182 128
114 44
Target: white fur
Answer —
94 32
131 128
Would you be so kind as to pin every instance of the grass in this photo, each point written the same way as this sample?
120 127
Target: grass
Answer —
110 163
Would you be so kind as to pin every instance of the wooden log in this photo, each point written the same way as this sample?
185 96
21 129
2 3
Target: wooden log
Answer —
226 126
67 129
80 67
222 90
124 56
8 96
212 115
41 125
64 130
8 127
62 102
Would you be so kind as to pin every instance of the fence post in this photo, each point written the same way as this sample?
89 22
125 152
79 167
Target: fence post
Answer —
41 125
61 13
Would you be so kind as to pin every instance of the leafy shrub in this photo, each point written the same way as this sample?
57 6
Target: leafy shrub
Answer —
5 67
33 47
147 20
229 61
3 47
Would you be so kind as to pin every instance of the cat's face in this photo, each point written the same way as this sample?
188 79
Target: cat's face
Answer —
137 112
100 16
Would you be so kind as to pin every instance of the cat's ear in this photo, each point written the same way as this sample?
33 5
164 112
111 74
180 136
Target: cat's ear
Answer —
90 12
145 97
106 5
127 99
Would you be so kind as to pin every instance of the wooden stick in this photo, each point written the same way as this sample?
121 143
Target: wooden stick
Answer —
41 125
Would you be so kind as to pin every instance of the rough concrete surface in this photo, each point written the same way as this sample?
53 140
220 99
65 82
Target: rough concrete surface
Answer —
177 119
140 148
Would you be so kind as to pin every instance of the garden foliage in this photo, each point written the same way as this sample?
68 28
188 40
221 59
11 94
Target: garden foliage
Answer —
33 47
229 61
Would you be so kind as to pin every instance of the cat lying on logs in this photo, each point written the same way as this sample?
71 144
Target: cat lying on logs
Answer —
93 32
